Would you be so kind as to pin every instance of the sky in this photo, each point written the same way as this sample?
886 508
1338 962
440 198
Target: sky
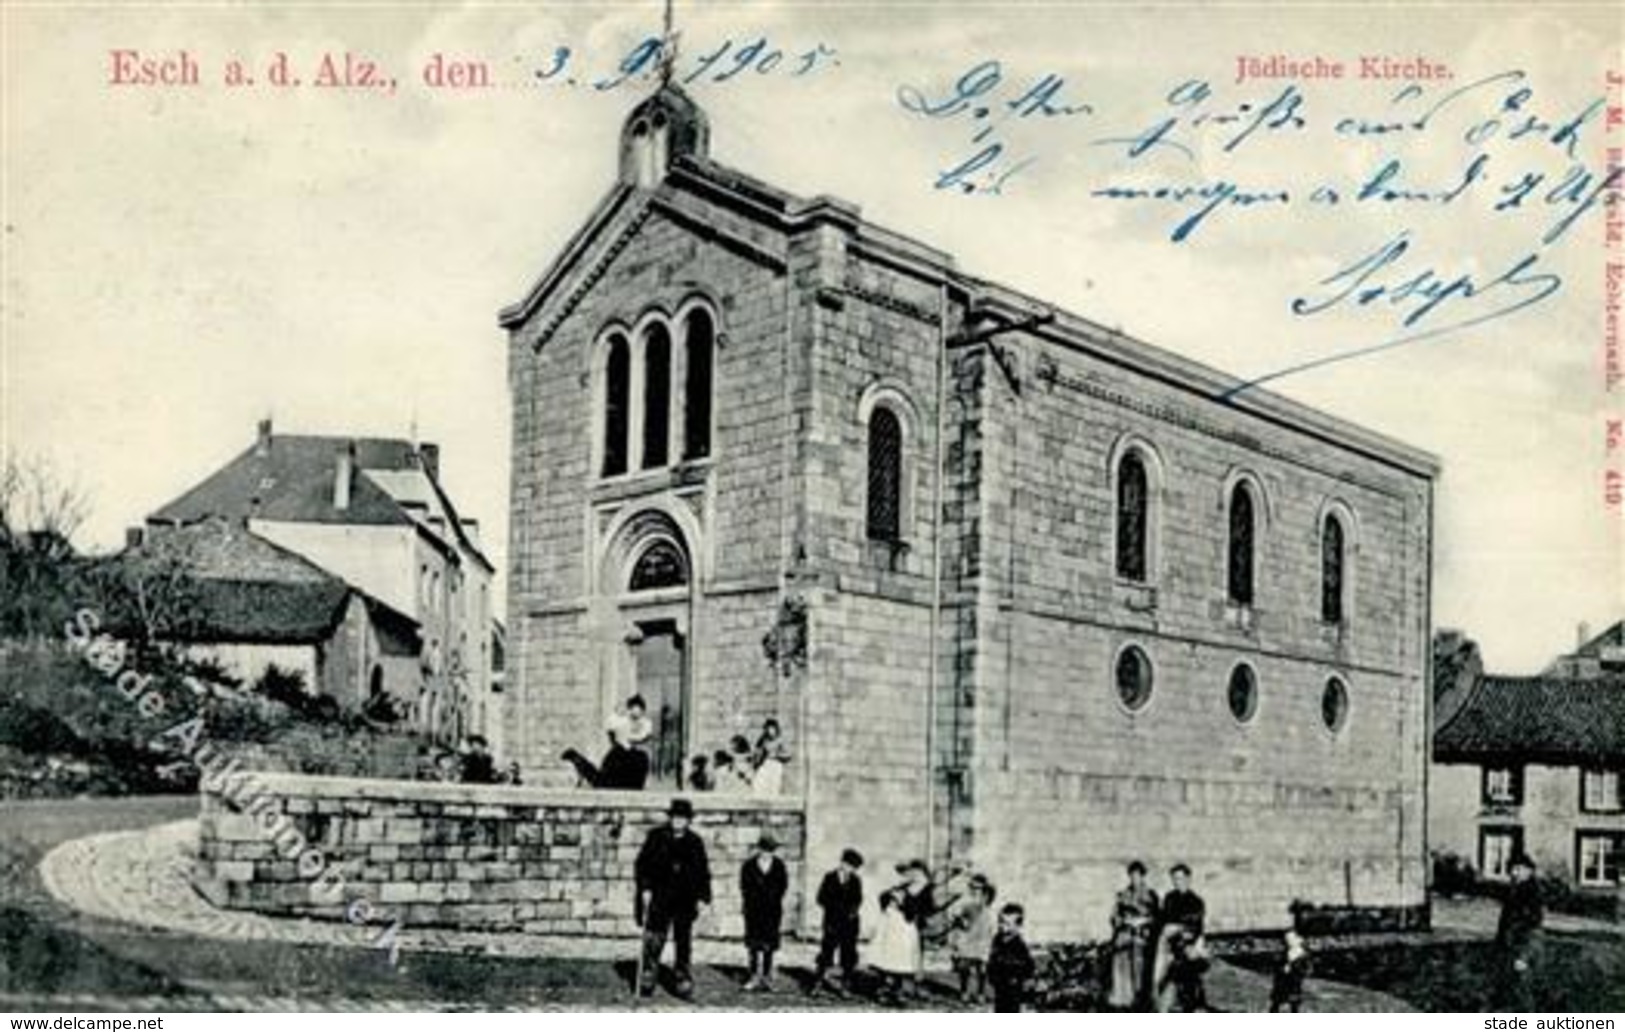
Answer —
181 261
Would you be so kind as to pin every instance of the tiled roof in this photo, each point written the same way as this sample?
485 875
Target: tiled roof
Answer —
290 477
1612 638
239 587
1541 719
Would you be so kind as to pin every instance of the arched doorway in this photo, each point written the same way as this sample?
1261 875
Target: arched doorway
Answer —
648 576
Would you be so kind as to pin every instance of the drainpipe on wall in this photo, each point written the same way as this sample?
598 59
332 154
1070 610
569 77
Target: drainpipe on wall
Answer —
936 586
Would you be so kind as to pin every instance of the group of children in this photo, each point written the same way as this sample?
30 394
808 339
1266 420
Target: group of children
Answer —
742 767
988 950
987 947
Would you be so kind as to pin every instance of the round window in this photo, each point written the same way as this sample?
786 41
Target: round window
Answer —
1334 705
1133 678
1243 693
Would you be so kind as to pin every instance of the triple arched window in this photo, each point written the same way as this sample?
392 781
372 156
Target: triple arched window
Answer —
654 391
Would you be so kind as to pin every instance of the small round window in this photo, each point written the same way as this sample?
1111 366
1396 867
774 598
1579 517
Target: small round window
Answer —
1133 678
1243 693
1334 705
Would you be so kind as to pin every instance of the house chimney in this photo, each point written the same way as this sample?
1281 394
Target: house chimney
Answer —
343 475
133 536
262 447
1582 634
429 456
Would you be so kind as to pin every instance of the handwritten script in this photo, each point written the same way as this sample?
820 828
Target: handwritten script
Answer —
1495 151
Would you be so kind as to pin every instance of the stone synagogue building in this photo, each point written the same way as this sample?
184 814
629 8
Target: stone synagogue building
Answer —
1021 590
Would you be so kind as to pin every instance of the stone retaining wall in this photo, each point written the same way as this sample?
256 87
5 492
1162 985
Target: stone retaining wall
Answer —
547 861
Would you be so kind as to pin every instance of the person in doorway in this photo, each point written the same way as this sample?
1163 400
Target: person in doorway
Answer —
1009 963
478 768
1134 912
625 765
763 881
673 885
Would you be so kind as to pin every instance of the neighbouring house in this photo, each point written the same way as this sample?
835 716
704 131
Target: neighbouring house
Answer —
247 604
1535 764
372 514
1021 590
1602 655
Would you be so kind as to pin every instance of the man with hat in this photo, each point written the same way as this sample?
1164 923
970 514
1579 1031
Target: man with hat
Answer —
673 886
763 882
1517 934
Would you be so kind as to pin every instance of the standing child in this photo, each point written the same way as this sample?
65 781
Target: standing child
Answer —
840 896
895 952
970 937
1287 991
763 882
1009 963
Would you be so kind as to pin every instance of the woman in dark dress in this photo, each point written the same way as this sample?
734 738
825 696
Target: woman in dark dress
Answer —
1133 914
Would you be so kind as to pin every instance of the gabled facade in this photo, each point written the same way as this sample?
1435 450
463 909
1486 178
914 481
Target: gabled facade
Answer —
1021 590
248 605
1534 765
372 513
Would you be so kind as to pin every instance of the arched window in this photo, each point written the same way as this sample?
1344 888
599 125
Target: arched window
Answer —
661 565
617 404
1331 571
700 339
885 515
1242 533
656 395
1133 518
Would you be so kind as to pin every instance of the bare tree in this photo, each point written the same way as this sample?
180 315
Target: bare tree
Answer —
40 512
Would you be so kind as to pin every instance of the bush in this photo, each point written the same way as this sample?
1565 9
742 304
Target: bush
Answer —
1453 875
1072 977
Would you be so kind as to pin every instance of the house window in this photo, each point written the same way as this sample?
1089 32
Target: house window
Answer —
1600 791
1240 574
1597 856
617 405
1496 848
1243 694
1334 705
1502 786
700 340
1331 571
656 395
1134 678
1133 518
885 501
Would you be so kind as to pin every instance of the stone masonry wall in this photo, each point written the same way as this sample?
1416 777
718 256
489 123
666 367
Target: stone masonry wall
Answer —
496 858
565 629
1068 785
